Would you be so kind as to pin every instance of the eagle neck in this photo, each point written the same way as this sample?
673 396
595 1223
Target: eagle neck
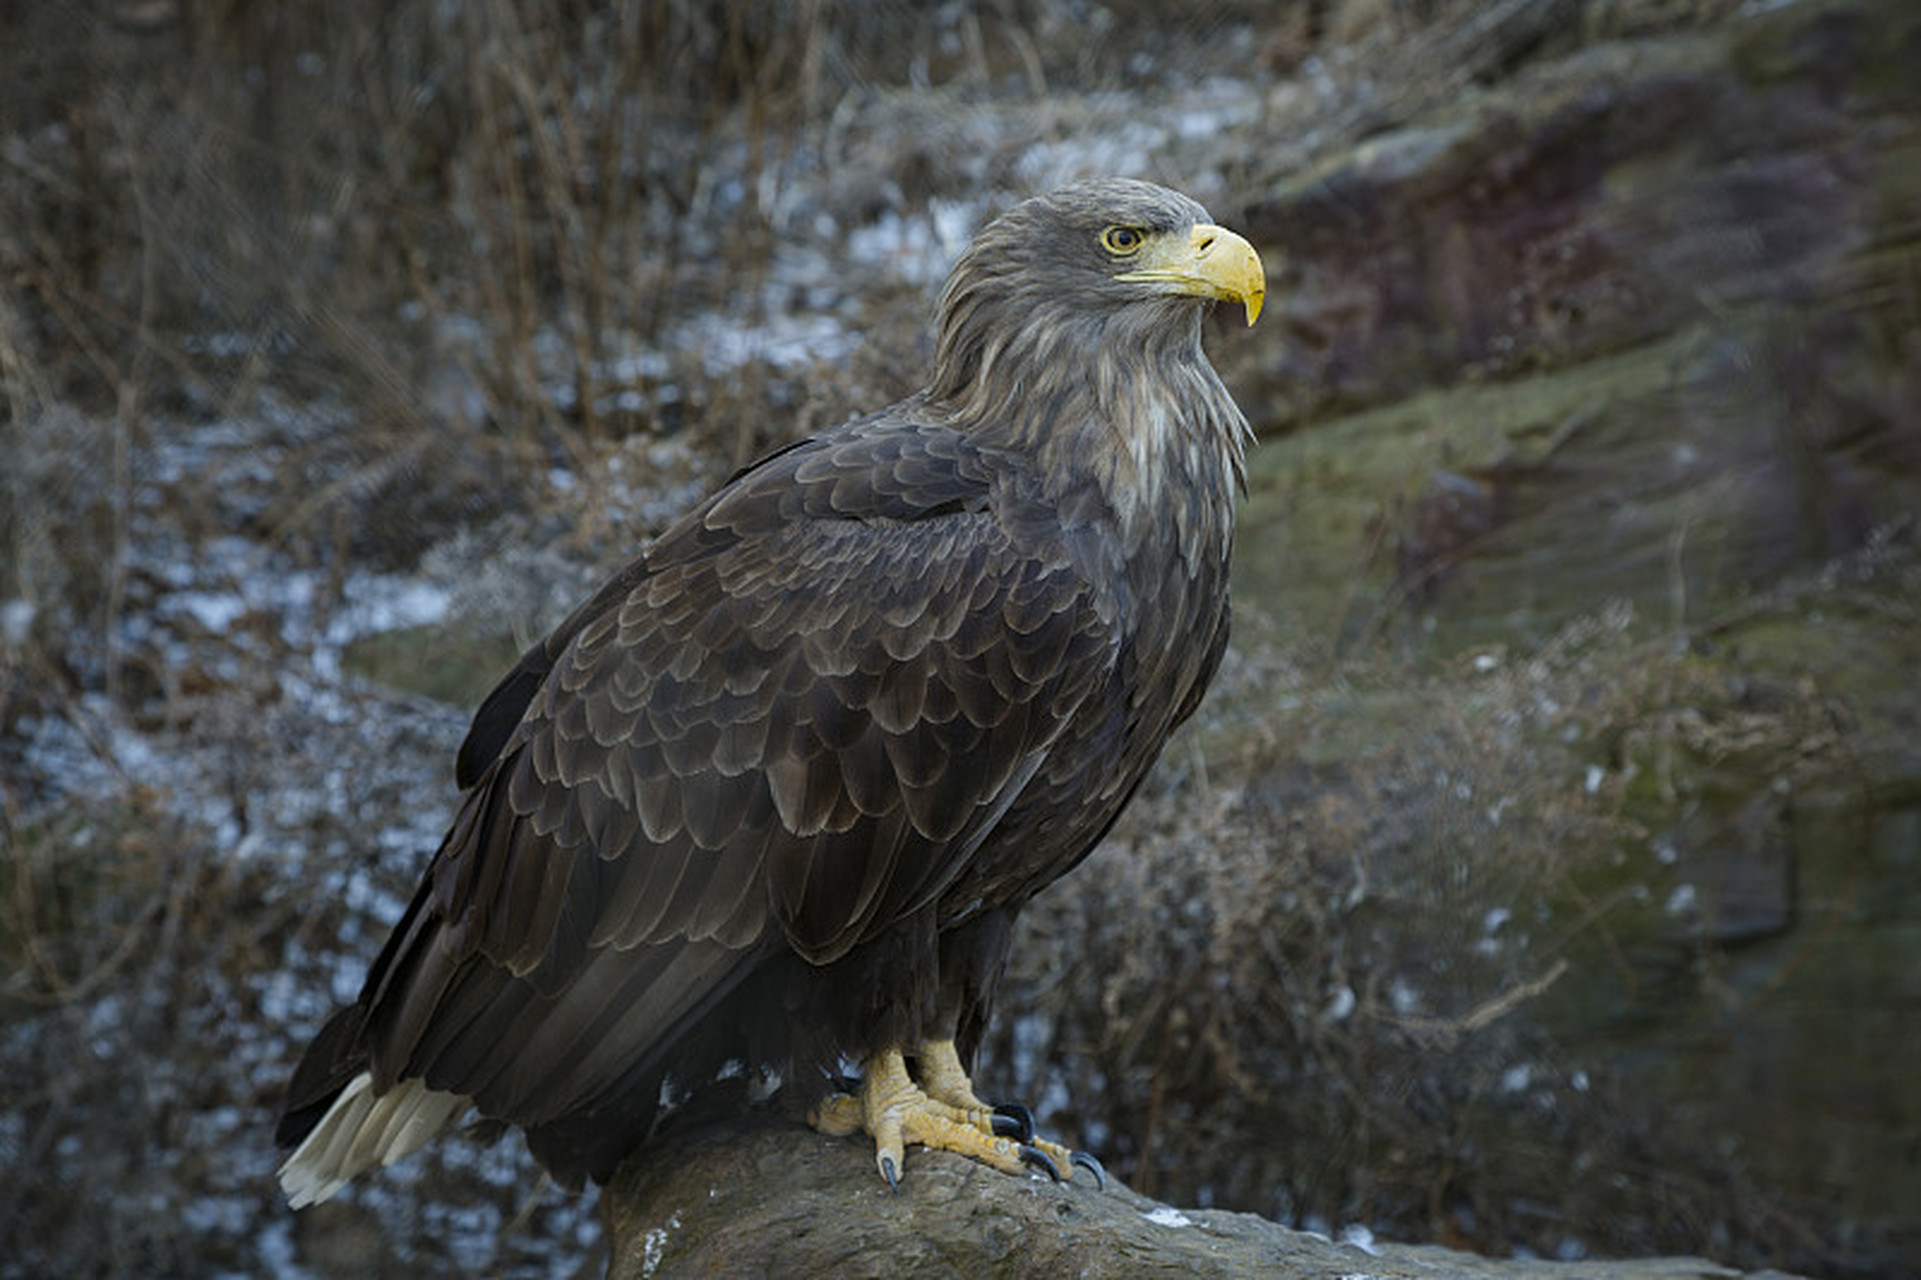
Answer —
1121 410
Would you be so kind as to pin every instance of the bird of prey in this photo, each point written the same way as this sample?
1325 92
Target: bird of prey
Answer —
771 801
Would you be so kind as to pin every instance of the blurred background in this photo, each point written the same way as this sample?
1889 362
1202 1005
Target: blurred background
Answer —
1544 874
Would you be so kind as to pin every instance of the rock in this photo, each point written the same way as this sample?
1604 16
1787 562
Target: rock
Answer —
1625 326
1597 201
767 1197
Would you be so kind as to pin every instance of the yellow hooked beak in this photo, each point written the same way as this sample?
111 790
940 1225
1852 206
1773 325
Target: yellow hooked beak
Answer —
1212 263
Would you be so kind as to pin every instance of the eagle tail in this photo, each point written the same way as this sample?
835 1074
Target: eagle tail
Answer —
362 1129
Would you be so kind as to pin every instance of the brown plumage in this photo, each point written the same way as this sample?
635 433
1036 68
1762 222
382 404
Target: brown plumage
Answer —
776 793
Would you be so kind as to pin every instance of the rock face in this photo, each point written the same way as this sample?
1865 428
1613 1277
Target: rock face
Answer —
1632 322
770 1198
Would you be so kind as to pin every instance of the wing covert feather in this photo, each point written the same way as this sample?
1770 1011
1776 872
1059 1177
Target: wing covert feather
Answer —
795 718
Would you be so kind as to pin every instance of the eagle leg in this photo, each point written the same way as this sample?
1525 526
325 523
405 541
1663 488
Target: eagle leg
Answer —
941 1113
897 1113
945 1080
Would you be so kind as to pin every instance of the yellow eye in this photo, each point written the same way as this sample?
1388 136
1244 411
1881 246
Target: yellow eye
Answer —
1121 241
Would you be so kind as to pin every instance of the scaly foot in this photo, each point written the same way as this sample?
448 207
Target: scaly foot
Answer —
945 1080
941 1113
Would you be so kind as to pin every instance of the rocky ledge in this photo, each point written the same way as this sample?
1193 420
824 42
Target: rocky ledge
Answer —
767 1197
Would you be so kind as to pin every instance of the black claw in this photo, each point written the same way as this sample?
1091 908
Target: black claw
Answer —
1006 1126
1012 1120
890 1173
1040 1160
1093 1166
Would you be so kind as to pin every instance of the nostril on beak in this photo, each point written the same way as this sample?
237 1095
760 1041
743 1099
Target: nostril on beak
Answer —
1203 244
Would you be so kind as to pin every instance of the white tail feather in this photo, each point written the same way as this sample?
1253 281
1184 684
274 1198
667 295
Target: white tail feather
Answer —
361 1130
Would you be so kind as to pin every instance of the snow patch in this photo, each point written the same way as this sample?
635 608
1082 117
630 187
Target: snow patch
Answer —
1360 1237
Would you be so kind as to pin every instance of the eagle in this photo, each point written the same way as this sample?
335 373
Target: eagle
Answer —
769 804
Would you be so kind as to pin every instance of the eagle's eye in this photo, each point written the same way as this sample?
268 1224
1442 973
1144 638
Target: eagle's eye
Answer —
1121 241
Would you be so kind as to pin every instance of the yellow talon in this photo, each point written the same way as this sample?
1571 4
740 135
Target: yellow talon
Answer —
943 1113
837 1115
945 1080
897 1114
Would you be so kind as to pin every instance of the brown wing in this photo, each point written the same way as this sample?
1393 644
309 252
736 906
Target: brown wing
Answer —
789 725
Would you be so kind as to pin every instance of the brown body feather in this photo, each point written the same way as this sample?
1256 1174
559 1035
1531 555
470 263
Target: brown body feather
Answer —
776 793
